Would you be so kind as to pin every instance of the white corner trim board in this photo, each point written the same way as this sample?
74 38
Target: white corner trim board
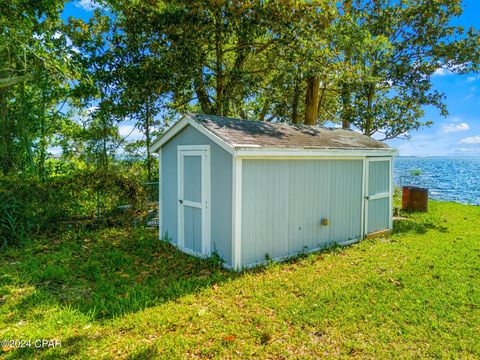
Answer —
390 225
237 213
363 225
160 200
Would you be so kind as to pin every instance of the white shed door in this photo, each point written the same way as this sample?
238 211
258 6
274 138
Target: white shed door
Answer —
378 200
194 199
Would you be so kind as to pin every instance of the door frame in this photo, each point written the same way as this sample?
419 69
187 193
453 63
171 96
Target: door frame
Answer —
204 152
388 194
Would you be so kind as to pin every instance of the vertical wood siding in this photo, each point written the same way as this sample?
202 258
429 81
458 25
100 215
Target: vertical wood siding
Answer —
193 228
378 216
192 178
284 201
378 181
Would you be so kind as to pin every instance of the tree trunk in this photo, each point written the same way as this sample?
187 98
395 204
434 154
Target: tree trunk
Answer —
345 94
368 128
202 95
148 140
346 104
6 135
295 101
220 76
43 142
321 96
4 83
266 105
233 85
3 132
311 101
42 148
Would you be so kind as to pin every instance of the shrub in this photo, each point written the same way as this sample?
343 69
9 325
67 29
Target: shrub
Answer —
29 204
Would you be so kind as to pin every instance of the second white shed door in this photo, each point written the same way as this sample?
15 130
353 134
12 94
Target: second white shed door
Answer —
378 202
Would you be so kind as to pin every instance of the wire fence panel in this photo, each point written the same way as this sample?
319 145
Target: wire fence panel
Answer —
152 191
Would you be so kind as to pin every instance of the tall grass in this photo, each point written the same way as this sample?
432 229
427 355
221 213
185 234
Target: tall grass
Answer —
11 228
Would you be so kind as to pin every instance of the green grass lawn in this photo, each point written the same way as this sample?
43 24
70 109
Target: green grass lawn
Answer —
120 293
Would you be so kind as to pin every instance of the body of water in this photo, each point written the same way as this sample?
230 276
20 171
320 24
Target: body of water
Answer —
447 178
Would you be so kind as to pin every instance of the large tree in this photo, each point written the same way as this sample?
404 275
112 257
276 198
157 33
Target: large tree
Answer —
406 42
366 65
35 73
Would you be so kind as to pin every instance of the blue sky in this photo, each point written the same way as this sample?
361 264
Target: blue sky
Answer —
458 134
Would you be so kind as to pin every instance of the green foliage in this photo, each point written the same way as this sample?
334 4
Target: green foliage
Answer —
415 172
371 62
37 55
11 228
71 199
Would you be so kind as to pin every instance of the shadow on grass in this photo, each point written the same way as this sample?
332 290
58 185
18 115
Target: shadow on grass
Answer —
408 225
105 273
112 272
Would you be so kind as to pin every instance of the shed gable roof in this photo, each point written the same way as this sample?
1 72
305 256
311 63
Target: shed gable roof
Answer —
236 134
247 133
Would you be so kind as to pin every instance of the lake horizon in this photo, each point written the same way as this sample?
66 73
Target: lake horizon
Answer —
447 178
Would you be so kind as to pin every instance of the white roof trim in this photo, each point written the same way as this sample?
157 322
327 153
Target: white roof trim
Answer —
179 126
302 152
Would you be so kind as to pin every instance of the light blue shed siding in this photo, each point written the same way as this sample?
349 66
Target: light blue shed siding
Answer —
378 215
284 201
192 174
221 190
378 177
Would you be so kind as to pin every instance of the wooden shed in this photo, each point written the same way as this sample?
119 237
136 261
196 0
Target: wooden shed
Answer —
251 190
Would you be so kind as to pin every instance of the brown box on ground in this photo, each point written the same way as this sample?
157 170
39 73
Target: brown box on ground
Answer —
414 198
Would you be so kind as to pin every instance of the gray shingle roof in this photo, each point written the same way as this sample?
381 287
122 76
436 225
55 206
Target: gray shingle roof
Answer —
248 133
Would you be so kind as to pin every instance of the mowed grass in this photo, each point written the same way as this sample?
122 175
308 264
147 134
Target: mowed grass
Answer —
124 294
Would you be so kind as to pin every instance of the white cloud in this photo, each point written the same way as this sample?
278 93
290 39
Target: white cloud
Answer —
448 128
442 72
471 140
471 78
88 5
91 109
130 132
55 151
449 71
472 150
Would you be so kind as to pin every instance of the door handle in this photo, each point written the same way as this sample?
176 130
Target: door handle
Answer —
367 197
180 201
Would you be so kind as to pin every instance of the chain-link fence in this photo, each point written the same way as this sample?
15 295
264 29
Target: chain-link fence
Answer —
151 189
151 193
147 215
